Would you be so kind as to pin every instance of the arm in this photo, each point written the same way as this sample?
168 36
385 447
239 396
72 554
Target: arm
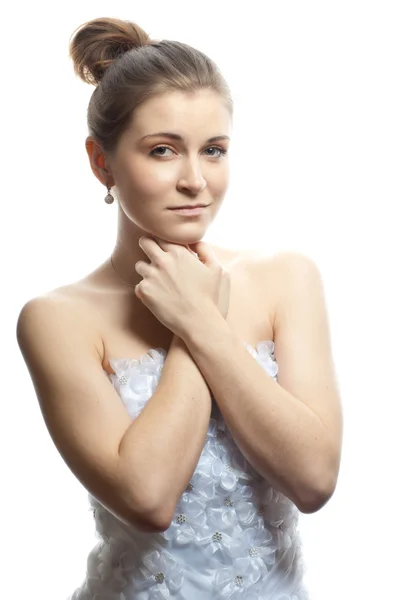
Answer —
164 443
289 431
130 467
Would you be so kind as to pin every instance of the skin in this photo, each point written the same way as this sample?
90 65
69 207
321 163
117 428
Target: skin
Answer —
290 433
301 412
155 173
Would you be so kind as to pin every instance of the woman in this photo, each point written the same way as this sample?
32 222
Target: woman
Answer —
198 454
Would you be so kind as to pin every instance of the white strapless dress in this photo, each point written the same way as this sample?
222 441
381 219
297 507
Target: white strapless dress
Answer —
233 537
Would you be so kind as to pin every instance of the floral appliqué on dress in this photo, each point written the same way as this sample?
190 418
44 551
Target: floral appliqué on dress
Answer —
233 537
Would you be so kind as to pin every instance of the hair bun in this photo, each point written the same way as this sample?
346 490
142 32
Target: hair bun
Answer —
97 43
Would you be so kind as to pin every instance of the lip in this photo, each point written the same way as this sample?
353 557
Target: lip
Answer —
196 210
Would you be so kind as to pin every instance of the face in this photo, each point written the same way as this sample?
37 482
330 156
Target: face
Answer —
153 173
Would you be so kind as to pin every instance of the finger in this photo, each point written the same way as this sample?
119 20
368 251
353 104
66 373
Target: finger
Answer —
164 244
151 247
142 268
169 246
205 253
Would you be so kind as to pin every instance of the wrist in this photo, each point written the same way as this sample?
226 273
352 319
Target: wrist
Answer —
179 351
209 323
177 342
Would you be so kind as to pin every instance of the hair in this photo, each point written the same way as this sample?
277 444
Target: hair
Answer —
129 68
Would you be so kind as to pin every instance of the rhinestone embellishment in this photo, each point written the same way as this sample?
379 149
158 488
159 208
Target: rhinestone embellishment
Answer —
239 580
228 501
181 519
123 380
230 468
159 577
261 510
254 551
217 537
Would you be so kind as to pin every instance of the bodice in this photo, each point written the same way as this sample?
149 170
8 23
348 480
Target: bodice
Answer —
233 536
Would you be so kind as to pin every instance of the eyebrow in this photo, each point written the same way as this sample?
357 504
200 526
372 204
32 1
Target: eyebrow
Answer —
179 138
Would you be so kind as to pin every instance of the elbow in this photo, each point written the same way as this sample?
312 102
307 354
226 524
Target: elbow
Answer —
317 491
148 522
158 521
313 501
150 517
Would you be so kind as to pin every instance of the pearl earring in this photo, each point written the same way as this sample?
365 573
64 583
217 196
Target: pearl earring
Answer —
109 199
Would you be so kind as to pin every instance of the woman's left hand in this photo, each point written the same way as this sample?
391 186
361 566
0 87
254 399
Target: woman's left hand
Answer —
178 285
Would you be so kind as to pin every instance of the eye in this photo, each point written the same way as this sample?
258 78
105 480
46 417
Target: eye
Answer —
155 151
221 150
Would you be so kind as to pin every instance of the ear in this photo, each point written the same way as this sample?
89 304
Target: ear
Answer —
98 162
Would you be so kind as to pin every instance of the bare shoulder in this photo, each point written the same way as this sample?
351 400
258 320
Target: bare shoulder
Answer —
273 273
57 309
283 268
282 261
287 265
298 280
282 276
65 298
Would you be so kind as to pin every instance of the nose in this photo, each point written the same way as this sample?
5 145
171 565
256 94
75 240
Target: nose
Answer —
192 179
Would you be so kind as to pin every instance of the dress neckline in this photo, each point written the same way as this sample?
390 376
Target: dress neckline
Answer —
147 353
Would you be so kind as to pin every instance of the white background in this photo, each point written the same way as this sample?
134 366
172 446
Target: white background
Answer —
315 168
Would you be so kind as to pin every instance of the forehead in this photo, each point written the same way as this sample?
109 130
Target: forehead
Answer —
201 112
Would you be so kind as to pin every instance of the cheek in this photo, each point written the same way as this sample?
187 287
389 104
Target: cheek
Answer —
151 180
219 181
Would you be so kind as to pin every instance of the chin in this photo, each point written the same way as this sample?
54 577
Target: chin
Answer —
183 239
